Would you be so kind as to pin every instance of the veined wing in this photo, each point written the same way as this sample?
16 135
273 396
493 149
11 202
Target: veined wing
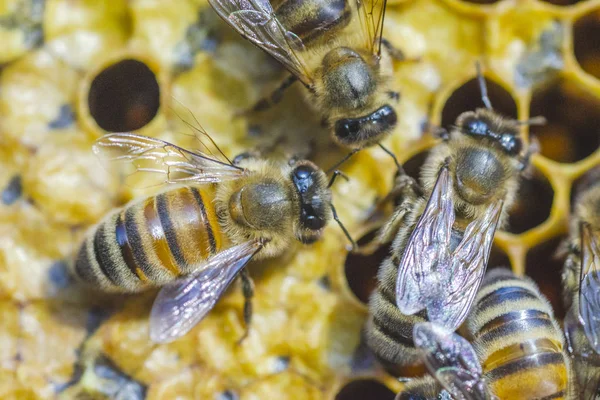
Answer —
428 245
589 287
183 303
451 360
372 15
463 275
170 163
256 21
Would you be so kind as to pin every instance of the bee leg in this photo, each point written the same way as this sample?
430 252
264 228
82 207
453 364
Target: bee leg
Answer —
248 292
396 53
268 101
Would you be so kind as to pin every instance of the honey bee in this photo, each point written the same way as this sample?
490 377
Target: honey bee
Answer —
336 50
441 245
518 341
194 240
581 288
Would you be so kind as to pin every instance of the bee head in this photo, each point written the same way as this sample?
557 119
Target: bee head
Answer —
487 125
366 130
314 197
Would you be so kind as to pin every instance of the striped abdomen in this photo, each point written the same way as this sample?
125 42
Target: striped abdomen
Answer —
312 18
519 343
151 242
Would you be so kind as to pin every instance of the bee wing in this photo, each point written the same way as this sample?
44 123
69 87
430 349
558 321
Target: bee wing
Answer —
463 275
463 386
256 21
441 348
162 159
180 305
589 288
372 15
428 244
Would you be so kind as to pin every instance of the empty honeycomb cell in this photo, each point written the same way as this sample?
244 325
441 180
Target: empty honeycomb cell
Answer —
361 270
361 389
586 42
468 97
413 165
544 267
498 258
563 2
572 131
124 96
533 204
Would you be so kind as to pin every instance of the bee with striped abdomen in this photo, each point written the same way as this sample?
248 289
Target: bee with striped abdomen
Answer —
441 245
581 292
517 339
335 48
194 240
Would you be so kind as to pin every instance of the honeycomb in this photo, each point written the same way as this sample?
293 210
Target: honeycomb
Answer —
72 70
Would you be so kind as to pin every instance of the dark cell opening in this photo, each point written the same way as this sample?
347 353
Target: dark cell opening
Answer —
124 96
563 2
544 267
533 204
572 131
365 389
413 165
361 270
498 259
468 98
586 42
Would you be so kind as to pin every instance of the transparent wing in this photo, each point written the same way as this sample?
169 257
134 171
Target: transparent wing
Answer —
589 288
256 21
372 14
182 304
463 275
162 160
428 245
450 359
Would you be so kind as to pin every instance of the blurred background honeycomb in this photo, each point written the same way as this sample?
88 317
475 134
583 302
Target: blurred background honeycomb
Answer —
72 70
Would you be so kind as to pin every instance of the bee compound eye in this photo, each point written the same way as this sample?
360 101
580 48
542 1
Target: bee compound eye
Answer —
476 127
510 143
347 128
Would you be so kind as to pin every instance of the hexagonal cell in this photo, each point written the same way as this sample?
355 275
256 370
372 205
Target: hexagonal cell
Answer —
365 389
573 121
544 267
413 165
468 98
586 42
124 96
533 204
361 270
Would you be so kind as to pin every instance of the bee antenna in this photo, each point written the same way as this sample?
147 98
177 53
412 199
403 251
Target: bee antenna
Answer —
343 160
539 120
336 173
337 219
483 87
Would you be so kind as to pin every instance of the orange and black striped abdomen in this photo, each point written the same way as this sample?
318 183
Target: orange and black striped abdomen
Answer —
518 339
312 19
151 242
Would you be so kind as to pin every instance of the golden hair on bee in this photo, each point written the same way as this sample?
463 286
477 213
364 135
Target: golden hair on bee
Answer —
193 240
